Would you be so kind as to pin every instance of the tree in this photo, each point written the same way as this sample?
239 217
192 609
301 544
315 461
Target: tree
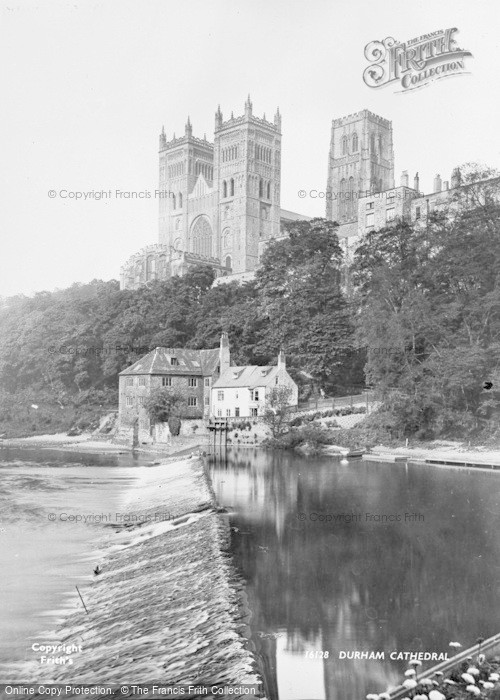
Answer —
429 316
163 404
300 296
278 409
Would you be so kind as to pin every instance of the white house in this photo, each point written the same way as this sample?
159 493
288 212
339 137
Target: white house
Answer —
243 391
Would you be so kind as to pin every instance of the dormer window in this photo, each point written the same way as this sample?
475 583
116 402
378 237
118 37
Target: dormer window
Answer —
174 362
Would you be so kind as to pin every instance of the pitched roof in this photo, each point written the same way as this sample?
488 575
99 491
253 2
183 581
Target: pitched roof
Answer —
286 215
157 361
250 376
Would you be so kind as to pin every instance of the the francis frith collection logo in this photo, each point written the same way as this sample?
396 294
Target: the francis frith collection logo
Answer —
416 62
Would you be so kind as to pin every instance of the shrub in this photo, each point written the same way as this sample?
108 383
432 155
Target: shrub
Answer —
174 425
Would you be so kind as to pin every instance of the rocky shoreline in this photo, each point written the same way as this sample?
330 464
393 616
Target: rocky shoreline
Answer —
167 605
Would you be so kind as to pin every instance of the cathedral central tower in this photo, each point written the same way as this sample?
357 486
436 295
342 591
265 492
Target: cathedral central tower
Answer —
361 162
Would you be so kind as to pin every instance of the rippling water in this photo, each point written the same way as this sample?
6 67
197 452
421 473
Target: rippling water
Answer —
318 586
42 559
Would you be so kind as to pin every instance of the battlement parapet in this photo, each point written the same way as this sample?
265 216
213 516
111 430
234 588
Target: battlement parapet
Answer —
361 115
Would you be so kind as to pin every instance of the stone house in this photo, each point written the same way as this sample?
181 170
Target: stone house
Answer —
188 372
244 391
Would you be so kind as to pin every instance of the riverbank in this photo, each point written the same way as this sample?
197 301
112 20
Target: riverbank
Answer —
445 452
89 442
167 603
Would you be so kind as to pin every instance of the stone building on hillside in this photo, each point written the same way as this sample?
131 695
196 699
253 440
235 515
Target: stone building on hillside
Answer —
244 391
188 372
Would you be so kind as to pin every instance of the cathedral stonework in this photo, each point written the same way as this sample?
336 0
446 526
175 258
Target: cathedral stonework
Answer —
221 199
361 163
220 203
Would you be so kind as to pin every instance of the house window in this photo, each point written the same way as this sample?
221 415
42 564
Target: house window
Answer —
237 412
219 412
253 412
391 214
130 401
192 401
130 381
207 400
370 205
220 396
370 220
228 412
174 361
277 380
142 381
192 381
255 395
417 213
207 381
140 400
166 381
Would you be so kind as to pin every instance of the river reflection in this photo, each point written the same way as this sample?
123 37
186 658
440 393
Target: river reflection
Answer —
428 576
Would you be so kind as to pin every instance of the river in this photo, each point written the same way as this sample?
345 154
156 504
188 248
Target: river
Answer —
44 550
361 556
337 558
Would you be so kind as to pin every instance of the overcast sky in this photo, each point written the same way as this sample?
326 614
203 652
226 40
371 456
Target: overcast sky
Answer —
86 87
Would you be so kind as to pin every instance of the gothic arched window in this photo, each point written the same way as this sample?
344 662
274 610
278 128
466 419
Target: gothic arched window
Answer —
380 145
344 146
268 194
355 143
350 199
201 237
180 200
372 143
174 202
229 262
343 202
224 189
232 187
261 188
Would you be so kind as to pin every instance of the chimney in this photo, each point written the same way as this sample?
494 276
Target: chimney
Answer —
224 355
281 360
404 178
437 183
416 183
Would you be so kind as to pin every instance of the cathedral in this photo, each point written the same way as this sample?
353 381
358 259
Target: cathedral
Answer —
220 200
220 203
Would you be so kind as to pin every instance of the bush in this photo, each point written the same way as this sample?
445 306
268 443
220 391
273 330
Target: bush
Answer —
174 425
313 435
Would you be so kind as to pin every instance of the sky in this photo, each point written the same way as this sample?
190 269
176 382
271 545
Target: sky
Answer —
87 86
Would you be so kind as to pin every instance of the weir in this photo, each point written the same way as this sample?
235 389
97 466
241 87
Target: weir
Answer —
167 606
